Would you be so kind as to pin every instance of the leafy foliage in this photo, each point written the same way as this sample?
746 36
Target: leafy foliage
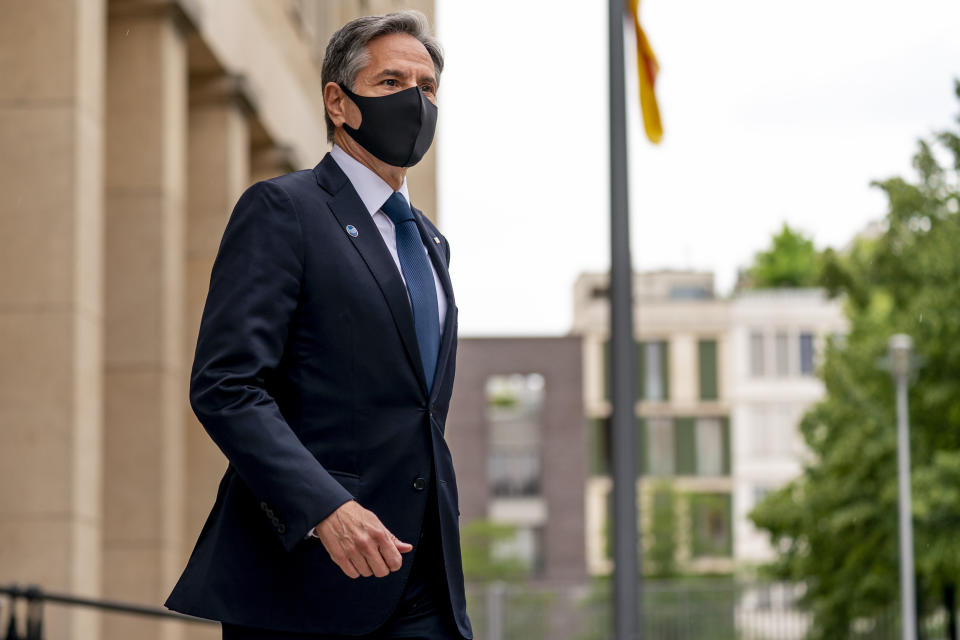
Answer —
526 609
660 559
791 261
835 527
481 562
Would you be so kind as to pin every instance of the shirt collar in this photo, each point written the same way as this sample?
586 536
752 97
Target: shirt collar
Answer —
371 188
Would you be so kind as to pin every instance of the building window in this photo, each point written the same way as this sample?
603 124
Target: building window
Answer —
655 370
524 546
600 446
806 354
710 447
757 356
710 521
772 429
514 408
690 293
781 354
685 452
787 419
708 369
760 428
660 447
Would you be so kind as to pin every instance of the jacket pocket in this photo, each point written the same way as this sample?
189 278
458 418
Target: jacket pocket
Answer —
349 481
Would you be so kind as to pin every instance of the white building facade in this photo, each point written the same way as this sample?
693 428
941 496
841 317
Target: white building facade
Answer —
722 385
777 339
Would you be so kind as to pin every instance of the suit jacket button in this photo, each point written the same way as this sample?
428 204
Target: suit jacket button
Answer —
419 484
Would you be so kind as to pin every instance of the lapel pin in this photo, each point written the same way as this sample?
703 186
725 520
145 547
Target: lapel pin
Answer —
436 239
352 230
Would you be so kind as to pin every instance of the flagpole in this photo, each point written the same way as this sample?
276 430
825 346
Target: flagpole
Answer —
626 592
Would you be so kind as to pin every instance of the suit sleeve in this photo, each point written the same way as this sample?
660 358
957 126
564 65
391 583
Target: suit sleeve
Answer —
254 288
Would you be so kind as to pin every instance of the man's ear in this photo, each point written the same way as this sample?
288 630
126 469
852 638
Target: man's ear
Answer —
340 107
334 99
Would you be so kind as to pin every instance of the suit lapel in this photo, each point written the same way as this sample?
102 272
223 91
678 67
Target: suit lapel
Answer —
449 325
349 209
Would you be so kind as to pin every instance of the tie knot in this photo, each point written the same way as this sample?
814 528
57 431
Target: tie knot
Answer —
397 209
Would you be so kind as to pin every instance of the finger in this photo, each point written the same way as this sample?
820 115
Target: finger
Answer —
402 547
367 543
347 567
388 549
340 559
360 564
376 561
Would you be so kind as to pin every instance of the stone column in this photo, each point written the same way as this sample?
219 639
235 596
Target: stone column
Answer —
145 379
218 166
51 221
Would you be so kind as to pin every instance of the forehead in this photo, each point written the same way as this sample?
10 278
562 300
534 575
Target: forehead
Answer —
397 49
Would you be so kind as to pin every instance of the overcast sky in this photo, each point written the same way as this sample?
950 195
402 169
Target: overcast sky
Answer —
773 111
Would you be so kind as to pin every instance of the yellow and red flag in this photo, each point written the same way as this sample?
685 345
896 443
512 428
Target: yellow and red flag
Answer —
647 68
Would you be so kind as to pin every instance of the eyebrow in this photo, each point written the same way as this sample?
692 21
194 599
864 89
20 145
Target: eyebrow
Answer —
394 73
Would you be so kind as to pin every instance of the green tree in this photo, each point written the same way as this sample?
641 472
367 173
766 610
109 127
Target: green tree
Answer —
527 609
835 527
660 559
657 545
481 562
791 261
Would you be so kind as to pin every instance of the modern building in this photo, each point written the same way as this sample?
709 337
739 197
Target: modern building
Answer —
516 435
683 411
777 337
721 386
129 128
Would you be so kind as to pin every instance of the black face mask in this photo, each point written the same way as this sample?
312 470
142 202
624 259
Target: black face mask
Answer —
396 128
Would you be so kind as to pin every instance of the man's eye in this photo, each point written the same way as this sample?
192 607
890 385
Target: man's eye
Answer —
390 82
426 88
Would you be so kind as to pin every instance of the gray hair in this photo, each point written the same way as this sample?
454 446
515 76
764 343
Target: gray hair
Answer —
347 50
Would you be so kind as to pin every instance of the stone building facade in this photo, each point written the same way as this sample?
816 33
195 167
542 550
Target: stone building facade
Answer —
129 128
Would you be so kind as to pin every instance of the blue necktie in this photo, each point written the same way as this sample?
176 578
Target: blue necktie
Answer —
418 275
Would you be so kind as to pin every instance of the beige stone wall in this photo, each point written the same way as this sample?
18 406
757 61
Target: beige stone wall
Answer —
129 128
51 310
144 366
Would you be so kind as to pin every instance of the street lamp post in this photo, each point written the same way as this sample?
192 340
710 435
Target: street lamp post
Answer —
900 348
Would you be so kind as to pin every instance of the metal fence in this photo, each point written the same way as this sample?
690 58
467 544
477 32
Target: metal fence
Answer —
721 609
23 616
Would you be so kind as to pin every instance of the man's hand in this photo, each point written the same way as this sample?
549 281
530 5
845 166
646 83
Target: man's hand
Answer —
359 543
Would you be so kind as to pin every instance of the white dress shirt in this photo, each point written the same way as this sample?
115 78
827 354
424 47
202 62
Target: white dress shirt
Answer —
374 192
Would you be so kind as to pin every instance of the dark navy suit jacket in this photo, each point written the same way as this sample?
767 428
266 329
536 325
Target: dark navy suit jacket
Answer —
308 376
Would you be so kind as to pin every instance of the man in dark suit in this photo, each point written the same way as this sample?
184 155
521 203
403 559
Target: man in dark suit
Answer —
323 370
